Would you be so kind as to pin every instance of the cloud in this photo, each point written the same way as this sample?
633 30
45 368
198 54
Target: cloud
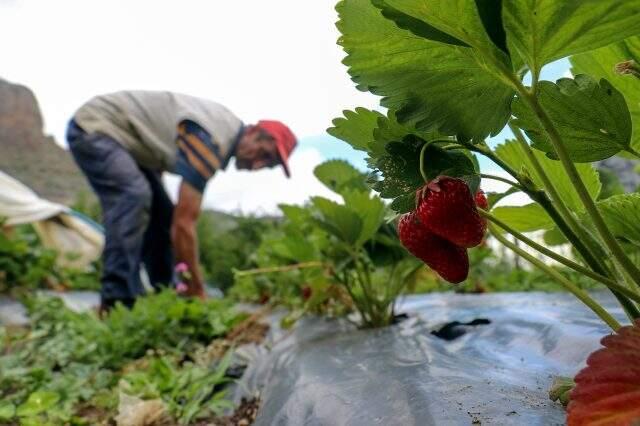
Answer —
249 55
260 192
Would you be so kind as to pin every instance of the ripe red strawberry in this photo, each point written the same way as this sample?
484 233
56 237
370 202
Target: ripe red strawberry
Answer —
447 209
448 260
481 200
306 292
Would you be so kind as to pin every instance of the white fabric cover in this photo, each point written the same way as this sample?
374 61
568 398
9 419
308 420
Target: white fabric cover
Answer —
78 241
20 205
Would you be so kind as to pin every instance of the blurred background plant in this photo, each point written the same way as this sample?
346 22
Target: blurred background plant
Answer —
332 257
65 368
26 265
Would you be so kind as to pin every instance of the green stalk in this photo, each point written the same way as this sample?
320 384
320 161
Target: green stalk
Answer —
594 263
549 207
572 172
633 152
548 185
270 269
559 204
389 290
424 148
347 285
563 260
557 218
493 157
423 172
539 196
580 294
366 290
501 179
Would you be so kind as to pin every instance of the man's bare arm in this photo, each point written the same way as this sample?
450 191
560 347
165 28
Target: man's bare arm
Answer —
184 237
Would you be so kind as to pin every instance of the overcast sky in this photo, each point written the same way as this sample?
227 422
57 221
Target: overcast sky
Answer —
262 59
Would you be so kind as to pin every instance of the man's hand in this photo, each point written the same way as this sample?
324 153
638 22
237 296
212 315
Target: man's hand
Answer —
184 238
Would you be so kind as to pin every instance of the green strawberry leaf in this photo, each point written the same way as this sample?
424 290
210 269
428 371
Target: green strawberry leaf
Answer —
295 246
465 20
369 208
371 131
297 214
528 218
389 130
404 203
431 85
338 220
512 153
490 12
416 26
7 410
340 176
494 197
621 213
541 31
591 117
37 403
601 63
607 390
356 128
400 168
554 237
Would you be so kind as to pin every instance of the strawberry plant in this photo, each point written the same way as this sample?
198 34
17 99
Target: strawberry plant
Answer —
26 265
68 363
452 74
340 254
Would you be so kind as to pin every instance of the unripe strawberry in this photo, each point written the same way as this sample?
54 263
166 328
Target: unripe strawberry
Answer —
448 260
447 208
481 200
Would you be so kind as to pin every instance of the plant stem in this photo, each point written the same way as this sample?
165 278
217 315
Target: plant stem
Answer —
356 302
580 294
541 197
286 268
501 179
367 291
561 259
423 172
633 152
572 223
593 261
585 197
569 233
483 150
389 290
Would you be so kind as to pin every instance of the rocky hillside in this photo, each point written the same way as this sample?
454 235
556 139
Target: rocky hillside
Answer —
31 156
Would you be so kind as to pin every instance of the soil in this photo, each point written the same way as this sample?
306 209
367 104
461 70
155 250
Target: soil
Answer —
95 416
244 415
250 330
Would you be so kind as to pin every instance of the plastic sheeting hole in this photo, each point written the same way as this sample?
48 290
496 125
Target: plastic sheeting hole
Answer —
398 318
453 330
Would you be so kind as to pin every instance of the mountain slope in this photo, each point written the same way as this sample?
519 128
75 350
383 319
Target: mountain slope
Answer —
31 156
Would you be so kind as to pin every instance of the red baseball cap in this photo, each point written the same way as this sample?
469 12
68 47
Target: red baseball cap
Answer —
285 140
